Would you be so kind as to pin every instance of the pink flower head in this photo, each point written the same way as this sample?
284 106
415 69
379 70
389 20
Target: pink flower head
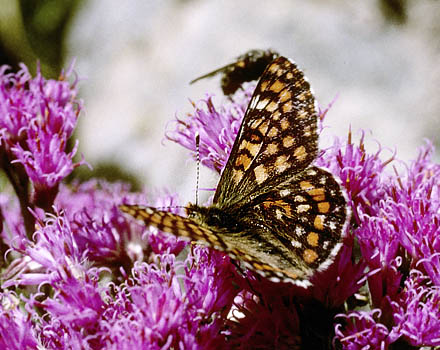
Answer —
217 127
37 118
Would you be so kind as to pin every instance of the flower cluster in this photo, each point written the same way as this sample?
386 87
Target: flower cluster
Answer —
216 126
395 224
78 274
37 118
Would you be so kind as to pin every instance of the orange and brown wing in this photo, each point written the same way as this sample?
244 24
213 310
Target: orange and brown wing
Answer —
277 138
305 217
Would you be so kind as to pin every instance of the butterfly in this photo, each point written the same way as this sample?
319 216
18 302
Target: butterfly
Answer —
274 211
247 67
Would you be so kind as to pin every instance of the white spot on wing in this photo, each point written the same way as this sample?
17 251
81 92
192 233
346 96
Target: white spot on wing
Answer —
299 231
296 244
284 193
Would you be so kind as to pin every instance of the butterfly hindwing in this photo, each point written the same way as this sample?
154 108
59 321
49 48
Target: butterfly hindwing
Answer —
305 214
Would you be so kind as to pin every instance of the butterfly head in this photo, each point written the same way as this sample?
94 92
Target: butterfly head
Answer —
213 218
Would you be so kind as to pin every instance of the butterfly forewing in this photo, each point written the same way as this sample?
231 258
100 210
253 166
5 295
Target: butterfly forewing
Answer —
177 225
255 248
277 137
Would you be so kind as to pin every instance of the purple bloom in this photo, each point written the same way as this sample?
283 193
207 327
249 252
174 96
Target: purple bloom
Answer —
217 127
52 257
160 242
16 104
77 301
359 172
342 279
98 227
270 321
16 328
362 331
45 162
107 282
159 315
37 118
51 104
104 232
416 312
415 319
413 209
209 282
13 231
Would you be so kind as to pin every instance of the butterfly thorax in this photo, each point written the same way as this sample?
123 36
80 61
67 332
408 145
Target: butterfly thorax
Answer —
214 217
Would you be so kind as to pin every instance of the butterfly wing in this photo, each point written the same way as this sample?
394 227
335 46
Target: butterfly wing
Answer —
172 223
248 67
277 138
250 247
304 218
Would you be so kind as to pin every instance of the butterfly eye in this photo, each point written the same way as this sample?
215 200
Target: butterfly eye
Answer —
215 219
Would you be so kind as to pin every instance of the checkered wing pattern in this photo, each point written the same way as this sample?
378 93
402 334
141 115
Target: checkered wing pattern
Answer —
272 210
304 218
172 223
277 138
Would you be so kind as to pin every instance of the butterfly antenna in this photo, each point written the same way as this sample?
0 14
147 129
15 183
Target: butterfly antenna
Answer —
198 165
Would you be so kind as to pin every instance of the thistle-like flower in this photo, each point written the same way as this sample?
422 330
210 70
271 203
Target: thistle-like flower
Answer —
78 274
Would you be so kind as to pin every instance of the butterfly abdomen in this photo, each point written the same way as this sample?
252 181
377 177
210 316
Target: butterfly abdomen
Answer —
249 66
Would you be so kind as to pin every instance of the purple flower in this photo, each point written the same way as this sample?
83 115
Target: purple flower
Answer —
416 312
359 172
413 209
76 303
270 321
362 331
98 227
108 236
73 313
13 231
51 104
160 242
342 279
46 163
16 328
217 127
16 104
107 282
37 118
52 257
210 278
153 311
